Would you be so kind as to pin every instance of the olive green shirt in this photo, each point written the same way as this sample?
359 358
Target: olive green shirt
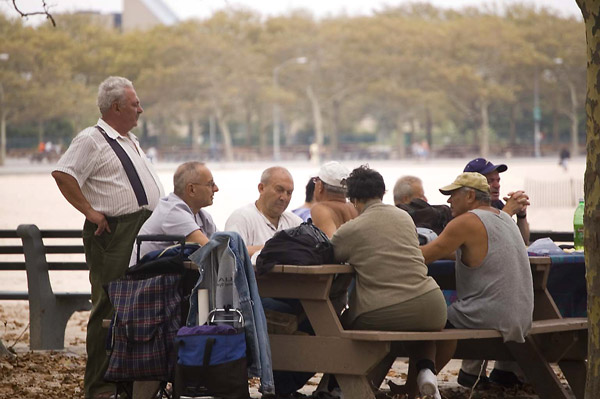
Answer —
382 246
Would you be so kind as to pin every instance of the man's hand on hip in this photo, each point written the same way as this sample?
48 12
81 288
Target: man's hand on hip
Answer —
100 220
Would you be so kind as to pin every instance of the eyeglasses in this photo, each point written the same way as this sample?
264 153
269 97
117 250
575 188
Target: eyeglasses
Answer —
210 184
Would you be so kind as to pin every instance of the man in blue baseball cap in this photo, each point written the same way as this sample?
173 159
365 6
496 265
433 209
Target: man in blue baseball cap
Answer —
516 201
516 204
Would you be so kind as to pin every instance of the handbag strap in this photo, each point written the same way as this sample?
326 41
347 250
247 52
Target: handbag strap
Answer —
132 174
210 342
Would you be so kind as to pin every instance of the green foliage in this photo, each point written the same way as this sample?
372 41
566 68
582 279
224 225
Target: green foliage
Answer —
458 76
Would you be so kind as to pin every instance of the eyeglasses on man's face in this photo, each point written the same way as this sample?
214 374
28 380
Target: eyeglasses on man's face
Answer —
210 184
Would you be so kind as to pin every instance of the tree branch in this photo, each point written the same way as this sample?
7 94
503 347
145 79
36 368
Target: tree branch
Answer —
27 14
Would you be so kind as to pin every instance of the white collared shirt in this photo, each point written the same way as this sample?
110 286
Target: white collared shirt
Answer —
254 227
100 173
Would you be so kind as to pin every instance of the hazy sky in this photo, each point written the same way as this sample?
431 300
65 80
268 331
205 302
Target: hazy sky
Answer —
320 8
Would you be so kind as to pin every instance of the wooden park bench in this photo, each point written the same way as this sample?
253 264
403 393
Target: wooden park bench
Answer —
49 310
354 356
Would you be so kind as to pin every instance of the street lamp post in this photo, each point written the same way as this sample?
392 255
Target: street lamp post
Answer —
276 115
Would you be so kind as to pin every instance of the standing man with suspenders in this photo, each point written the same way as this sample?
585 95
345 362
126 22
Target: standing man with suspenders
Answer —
107 177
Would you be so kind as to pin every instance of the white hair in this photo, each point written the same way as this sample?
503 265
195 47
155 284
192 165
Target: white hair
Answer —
112 90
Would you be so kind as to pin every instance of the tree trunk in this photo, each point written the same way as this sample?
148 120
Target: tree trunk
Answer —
2 136
484 143
400 138
317 119
41 132
574 121
248 127
262 136
227 145
591 14
512 125
428 127
555 131
335 132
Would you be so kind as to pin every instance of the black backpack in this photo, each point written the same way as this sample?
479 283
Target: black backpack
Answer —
302 245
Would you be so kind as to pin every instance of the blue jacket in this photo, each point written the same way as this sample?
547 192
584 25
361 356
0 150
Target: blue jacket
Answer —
228 248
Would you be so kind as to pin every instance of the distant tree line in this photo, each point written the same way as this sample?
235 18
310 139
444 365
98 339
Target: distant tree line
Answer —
450 79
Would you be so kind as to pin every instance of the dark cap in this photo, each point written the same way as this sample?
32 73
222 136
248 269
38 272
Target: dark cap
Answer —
483 166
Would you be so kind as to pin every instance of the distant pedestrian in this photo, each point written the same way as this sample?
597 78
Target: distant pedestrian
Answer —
564 156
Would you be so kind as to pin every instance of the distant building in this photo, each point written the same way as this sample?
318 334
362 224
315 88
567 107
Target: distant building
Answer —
144 14
107 20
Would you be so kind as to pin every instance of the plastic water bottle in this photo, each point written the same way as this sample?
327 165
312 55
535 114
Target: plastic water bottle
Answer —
578 226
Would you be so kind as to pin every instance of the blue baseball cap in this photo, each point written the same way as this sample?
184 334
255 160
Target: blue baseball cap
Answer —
483 166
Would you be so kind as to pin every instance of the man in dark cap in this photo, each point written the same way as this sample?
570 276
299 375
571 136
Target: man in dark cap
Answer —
516 201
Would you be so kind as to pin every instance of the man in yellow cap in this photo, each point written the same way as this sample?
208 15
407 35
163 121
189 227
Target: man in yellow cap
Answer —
493 278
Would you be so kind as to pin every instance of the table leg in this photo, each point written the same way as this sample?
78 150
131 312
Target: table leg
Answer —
537 370
575 373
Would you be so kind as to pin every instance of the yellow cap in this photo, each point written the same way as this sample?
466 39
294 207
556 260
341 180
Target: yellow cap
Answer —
473 180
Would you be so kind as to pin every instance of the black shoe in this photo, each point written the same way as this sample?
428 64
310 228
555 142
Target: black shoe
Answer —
468 380
507 379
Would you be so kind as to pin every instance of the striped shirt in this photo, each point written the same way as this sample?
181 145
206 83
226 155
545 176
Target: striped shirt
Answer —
100 173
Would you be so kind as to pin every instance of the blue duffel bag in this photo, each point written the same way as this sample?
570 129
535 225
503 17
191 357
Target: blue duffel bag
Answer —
211 360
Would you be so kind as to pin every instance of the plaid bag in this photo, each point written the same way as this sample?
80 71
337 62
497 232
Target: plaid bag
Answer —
147 317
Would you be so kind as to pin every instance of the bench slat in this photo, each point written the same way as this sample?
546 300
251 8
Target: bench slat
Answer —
14 295
9 234
67 266
12 265
64 249
538 327
11 249
61 233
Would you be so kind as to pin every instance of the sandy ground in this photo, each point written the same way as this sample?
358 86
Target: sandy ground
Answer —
49 374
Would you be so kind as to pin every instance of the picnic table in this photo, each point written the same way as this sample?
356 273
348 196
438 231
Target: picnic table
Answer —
353 355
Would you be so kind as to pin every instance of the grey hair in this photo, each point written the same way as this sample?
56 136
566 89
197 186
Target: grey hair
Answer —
184 174
267 173
333 189
112 90
404 187
480 196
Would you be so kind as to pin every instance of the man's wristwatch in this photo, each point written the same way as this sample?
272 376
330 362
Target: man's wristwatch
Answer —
523 216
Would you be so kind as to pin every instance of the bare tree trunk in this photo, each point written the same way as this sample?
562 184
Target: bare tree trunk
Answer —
317 118
262 136
334 134
41 132
428 127
574 121
194 132
591 13
555 131
227 145
400 138
484 143
2 136
512 125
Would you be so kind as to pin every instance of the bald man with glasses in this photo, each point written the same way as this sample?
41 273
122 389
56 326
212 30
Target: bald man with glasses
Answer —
181 212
